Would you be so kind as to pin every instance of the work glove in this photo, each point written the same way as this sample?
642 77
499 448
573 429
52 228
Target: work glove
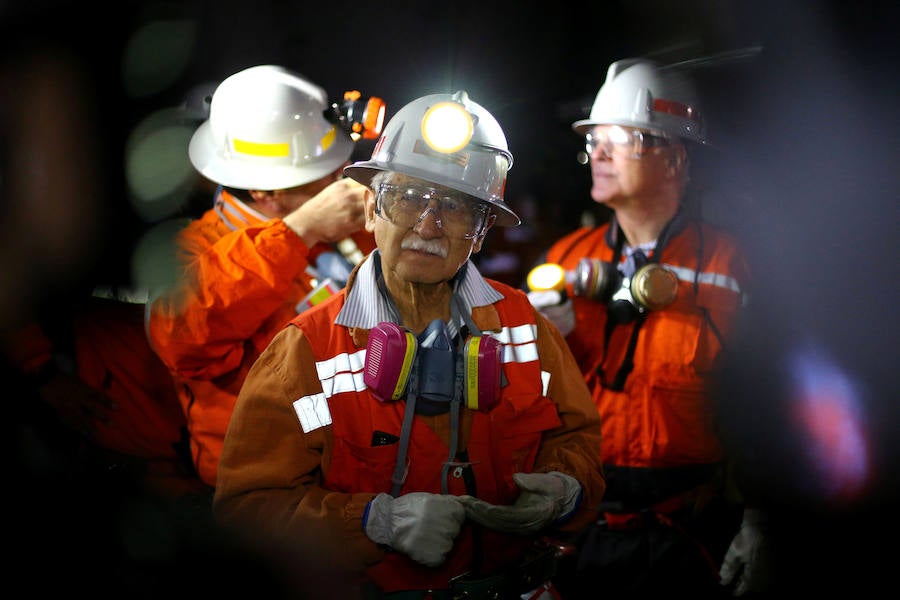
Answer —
421 525
746 563
544 499
556 307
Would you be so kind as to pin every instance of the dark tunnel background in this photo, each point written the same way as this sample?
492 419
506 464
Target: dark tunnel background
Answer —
800 99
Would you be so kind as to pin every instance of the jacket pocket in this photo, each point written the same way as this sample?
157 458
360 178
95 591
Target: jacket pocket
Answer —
357 468
519 424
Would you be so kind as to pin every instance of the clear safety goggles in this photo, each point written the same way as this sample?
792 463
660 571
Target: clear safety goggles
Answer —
458 215
623 141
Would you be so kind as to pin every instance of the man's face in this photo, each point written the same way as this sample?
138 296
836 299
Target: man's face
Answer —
280 203
626 162
420 229
293 198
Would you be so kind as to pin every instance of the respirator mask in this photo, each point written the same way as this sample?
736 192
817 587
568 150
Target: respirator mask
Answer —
398 362
651 286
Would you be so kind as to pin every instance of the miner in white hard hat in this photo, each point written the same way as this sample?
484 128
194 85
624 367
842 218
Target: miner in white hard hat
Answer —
284 232
648 302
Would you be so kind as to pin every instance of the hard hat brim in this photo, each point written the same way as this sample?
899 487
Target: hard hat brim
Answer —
364 171
209 162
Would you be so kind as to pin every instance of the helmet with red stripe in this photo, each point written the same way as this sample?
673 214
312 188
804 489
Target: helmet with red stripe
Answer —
639 93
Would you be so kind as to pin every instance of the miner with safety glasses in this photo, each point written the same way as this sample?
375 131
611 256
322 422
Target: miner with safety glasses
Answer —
284 231
413 435
647 302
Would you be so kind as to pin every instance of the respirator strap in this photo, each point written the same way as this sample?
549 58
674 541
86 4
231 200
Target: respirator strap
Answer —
618 383
617 240
457 306
401 468
627 364
454 442
465 318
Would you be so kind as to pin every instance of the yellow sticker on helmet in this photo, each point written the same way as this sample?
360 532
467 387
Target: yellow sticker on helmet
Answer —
257 149
328 138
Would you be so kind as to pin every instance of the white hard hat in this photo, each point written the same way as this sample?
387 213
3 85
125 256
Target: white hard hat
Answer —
267 131
638 93
448 140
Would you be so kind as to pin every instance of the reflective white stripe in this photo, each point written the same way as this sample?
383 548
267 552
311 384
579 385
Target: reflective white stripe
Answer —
343 382
516 335
545 382
518 343
231 216
717 279
520 354
341 363
343 373
313 412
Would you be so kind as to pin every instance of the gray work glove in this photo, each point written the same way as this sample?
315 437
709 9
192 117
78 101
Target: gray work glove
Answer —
544 499
421 525
556 307
746 561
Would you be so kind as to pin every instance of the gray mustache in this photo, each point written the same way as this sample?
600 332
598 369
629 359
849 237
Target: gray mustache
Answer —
430 246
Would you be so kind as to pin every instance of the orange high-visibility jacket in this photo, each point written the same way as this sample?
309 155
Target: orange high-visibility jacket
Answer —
302 458
243 277
664 416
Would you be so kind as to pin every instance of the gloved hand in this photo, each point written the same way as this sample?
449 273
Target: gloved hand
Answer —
556 308
544 499
421 525
746 561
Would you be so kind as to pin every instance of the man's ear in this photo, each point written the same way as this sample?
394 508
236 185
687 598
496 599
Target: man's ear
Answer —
369 208
479 241
266 200
677 160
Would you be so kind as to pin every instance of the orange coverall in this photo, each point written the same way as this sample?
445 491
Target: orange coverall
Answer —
243 276
306 480
662 417
666 520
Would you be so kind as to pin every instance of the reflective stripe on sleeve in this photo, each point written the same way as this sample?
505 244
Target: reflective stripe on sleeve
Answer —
343 362
313 412
715 279
519 343
545 382
520 354
516 335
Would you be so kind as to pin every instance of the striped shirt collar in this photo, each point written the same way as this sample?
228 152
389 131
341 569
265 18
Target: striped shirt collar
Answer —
365 307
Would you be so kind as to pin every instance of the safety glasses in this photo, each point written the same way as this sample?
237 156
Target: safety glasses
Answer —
623 141
457 215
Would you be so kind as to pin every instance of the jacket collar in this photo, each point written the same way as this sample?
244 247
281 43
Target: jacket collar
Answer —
234 212
365 306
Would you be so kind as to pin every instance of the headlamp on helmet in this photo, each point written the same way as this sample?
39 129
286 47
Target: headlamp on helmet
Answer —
446 140
447 127
361 119
270 128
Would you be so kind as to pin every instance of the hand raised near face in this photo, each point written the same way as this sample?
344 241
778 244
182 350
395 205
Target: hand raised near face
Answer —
332 214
